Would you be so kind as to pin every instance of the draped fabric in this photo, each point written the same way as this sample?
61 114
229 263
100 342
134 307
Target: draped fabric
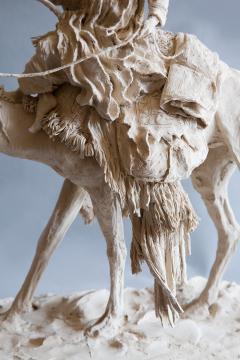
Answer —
106 81
193 79
112 79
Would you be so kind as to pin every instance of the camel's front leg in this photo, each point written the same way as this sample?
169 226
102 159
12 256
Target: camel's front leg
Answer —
211 180
67 208
109 214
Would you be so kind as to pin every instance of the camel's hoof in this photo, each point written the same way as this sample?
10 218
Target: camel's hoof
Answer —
196 307
7 316
12 321
14 312
107 326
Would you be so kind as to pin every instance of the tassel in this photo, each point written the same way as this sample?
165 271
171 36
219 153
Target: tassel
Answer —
161 239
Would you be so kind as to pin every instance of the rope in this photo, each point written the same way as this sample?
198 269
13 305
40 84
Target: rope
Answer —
51 7
66 66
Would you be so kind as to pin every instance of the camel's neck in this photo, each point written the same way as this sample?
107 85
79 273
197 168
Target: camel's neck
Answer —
17 141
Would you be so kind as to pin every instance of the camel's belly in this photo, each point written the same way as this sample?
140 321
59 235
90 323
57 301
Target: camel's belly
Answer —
82 172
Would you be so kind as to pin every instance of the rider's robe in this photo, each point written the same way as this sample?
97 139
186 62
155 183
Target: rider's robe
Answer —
106 79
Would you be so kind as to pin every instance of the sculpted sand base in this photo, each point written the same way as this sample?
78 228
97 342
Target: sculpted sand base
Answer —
54 329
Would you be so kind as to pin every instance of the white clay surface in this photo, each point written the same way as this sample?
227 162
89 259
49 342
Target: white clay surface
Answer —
175 92
53 332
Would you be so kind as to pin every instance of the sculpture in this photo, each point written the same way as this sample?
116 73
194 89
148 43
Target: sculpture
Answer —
213 132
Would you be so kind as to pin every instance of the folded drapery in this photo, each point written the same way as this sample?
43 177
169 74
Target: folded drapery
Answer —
180 67
191 86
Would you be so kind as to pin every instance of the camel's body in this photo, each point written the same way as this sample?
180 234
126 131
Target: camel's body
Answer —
210 180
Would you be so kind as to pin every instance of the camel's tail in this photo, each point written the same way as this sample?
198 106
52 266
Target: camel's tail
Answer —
86 210
161 239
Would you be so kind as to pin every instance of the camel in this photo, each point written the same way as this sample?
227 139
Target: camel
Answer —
84 176
86 189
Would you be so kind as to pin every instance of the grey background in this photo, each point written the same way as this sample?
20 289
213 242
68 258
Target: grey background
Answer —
28 190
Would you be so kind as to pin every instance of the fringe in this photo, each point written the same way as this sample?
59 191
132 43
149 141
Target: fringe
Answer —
161 239
69 133
30 104
5 96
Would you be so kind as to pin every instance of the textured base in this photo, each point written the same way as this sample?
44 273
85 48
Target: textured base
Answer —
54 329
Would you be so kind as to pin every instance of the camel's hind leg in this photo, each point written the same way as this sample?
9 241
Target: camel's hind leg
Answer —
67 208
109 214
211 180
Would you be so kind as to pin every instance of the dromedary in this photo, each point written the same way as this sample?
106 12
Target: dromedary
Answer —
211 180
163 118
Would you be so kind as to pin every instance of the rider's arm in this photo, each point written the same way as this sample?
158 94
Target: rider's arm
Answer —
159 9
